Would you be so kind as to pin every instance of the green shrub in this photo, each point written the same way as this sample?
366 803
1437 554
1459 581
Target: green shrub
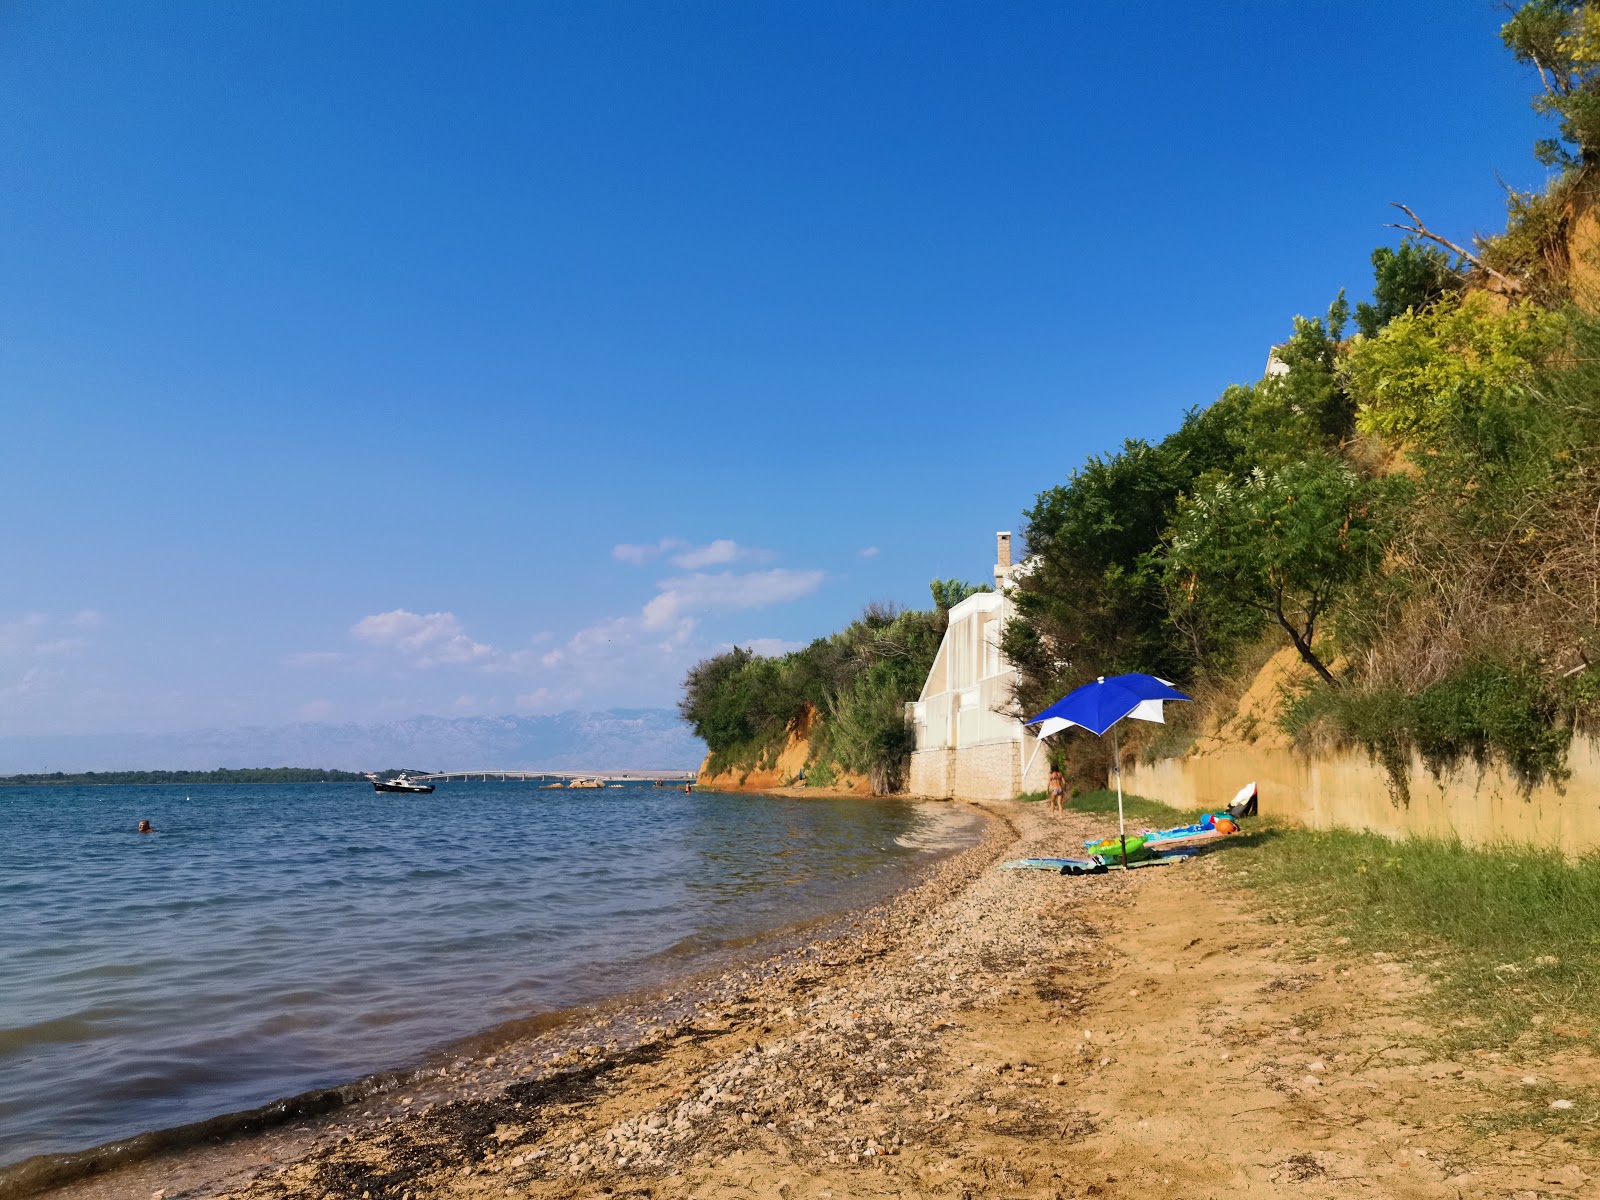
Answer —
1407 279
1484 712
854 684
1427 372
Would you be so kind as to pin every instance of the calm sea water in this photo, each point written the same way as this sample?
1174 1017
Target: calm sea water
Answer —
269 940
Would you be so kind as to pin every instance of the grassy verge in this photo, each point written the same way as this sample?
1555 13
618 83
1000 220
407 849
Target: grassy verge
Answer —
1509 937
1146 814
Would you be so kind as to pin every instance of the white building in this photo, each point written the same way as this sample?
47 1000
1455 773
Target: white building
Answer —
970 744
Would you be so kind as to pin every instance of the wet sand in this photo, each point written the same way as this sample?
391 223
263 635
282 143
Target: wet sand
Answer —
985 1033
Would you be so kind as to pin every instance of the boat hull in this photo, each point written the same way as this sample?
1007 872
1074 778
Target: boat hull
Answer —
414 788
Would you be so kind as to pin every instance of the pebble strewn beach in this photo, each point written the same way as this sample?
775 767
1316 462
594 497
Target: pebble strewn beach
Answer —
986 1033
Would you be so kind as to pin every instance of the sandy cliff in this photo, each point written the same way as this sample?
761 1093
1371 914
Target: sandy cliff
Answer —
782 771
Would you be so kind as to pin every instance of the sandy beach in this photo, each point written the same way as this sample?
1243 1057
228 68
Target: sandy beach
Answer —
986 1033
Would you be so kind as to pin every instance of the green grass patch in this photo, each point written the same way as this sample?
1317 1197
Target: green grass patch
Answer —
1135 809
1510 937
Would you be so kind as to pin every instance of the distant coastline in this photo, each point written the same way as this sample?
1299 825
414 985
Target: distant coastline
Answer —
151 778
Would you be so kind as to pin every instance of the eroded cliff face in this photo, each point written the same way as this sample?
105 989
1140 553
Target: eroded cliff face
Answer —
783 772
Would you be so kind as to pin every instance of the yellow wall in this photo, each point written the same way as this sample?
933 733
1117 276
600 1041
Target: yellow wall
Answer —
1345 789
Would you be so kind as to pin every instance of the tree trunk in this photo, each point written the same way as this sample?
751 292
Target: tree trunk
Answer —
1304 649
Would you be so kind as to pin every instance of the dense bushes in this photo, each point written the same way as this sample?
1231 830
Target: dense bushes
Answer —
849 690
1441 550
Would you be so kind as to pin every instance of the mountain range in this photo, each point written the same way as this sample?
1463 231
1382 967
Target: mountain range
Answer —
614 739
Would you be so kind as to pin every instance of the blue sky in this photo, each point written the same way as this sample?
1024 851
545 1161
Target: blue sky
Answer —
362 360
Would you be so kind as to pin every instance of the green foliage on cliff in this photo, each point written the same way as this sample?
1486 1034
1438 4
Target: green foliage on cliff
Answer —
1407 278
1286 542
1446 365
1434 565
1560 39
852 687
1411 508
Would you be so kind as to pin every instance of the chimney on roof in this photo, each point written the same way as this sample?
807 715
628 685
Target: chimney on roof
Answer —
1002 560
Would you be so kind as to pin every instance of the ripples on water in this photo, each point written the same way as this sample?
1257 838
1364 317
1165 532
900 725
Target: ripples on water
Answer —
269 940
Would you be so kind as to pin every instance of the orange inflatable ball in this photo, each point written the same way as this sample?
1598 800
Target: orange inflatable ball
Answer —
1226 825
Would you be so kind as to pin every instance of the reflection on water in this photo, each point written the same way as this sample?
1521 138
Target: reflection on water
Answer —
273 939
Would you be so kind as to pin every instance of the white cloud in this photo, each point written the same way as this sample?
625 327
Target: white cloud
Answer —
21 635
723 550
594 640
639 554
867 552
87 618
31 681
45 675
35 635
548 699
689 557
64 645
316 710
434 639
726 592
714 554
639 656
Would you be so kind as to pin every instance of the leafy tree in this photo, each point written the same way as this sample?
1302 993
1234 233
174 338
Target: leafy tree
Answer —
1091 600
857 682
868 732
715 699
1406 279
1284 542
1094 597
1428 371
947 593
1308 402
1561 40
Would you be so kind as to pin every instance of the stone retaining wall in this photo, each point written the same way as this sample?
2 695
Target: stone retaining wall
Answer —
991 771
1346 789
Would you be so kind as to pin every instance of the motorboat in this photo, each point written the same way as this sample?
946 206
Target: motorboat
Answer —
400 783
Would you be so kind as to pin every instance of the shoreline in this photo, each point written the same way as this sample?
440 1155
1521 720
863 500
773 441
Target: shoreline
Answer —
1152 1035
223 1144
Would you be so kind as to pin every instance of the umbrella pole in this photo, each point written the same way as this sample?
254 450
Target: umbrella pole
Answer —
1122 828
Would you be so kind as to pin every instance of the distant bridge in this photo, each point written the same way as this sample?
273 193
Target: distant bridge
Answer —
612 776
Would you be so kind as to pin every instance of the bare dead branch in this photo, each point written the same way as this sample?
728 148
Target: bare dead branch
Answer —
1514 286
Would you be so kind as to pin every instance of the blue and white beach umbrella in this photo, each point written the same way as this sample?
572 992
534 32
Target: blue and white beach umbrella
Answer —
1098 706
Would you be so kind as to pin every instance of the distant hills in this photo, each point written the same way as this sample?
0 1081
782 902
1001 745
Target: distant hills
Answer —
618 738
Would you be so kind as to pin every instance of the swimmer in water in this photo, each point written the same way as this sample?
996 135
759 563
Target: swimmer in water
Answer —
146 827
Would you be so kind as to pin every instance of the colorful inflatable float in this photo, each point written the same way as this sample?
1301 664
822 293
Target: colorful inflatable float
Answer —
1150 847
